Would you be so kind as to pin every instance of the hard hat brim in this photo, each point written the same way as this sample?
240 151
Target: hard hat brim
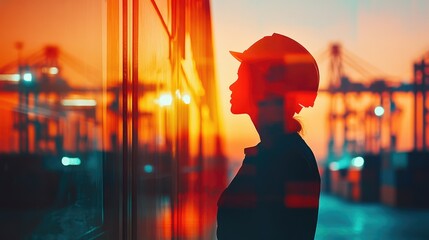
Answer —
237 55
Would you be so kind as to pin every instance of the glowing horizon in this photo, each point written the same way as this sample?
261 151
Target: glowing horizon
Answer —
386 34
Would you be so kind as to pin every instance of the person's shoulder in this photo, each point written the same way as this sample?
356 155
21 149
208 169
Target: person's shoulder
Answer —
302 145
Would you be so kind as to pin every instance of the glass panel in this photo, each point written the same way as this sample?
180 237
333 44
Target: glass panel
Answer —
52 108
156 126
180 171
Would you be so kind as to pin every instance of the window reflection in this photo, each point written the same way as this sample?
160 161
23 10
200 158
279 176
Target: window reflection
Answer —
109 123
51 118
178 137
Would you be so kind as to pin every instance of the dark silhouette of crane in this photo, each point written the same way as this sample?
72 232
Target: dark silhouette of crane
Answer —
364 124
421 112
45 98
361 116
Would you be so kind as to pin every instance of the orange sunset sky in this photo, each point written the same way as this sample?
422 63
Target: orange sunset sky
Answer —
389 34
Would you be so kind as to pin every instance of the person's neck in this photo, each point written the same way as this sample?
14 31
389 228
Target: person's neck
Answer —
271 121
270 133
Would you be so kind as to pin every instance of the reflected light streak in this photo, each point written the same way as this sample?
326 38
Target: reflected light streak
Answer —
186 98
178 94
9 77
79 102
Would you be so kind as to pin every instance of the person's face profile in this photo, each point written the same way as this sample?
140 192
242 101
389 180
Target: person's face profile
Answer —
241 99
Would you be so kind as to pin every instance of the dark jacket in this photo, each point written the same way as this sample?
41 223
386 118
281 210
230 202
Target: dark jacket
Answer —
275 194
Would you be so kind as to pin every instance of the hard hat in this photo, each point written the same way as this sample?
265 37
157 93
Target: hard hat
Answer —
288 58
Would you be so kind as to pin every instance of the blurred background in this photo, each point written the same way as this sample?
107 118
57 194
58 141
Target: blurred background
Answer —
368 127
115 119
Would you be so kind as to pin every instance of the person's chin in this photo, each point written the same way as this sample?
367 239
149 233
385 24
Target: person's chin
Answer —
235 111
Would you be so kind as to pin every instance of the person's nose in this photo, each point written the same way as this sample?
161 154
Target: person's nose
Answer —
232 86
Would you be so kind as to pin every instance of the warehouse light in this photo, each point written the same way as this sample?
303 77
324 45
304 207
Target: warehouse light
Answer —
79 102
53 70
28 77
379 111
334 166
66 161
148 168
165 100
358 162
343 163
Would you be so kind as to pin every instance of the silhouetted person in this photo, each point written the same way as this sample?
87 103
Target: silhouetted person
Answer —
275 194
